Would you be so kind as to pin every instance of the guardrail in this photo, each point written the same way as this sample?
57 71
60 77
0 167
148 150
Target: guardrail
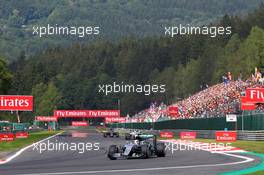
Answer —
251 135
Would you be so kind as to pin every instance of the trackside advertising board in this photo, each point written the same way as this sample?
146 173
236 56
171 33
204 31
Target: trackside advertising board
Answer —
21 135
173 111
46 118
16 103
253 96
87 113
7 137
225 136
115 119
187 135
168 134
79 123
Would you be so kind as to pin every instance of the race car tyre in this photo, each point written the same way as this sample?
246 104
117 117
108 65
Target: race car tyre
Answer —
105 135
160 150
145 152
111 152
117 135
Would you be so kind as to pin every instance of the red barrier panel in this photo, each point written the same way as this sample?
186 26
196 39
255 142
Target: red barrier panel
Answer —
226 136
188 135
6 136
21 135
77 123
115 119
164 134
46 118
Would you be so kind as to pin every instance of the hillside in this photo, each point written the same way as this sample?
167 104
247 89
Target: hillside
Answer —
69 78
138 18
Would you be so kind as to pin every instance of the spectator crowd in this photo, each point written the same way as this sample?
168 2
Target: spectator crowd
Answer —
215 101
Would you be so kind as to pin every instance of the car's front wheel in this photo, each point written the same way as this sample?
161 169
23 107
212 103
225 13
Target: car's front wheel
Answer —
112 151
160 150
145 152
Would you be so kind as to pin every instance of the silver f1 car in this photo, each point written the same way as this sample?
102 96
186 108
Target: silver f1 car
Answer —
145 146
110 133
132 135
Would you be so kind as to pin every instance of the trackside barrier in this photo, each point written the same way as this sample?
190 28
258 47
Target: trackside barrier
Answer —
14 126
210 134
252 122
20 126
251 135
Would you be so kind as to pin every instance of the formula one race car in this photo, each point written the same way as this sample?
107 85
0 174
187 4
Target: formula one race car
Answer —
110 133
145 146
132 135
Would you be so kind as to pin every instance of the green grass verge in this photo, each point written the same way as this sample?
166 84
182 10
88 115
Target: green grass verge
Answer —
257 173
20 143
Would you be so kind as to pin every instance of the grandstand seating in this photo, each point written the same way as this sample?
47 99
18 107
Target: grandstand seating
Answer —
215 101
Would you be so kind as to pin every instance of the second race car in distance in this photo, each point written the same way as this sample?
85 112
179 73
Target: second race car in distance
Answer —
110 133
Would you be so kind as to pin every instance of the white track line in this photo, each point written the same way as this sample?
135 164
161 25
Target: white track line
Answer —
24 149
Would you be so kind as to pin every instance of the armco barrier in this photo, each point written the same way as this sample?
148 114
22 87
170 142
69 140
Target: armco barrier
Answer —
251 135
250 123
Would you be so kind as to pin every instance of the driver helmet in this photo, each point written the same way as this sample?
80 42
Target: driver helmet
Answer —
136 142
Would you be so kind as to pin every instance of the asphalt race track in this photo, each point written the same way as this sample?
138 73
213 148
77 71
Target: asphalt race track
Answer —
96 162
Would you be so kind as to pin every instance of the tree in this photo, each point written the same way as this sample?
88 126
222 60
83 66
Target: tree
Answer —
47 98
5 77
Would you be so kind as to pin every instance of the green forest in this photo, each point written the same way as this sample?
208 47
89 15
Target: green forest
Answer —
68 78
117 19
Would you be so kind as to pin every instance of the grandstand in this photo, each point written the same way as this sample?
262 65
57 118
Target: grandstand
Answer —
215 101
